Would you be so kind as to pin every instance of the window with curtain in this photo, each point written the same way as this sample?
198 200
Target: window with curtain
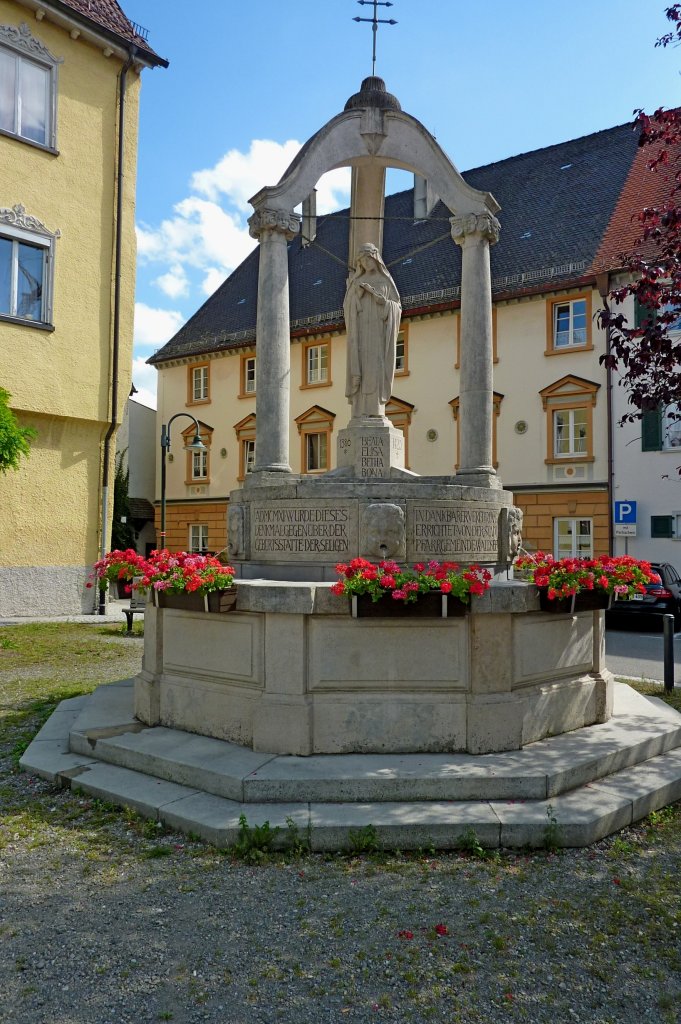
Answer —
23 272
27 87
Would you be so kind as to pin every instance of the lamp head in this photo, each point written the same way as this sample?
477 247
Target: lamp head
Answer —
197 445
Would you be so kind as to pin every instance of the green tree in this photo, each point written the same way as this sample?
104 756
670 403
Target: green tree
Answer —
14 440
122 533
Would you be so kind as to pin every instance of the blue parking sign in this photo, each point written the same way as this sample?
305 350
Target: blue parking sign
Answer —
625 511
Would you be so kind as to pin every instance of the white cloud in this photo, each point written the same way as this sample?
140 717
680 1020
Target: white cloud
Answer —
175 283
240 175
155 326
208 230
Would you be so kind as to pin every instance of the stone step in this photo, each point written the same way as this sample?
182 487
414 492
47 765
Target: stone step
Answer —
641 728
576 788
577 818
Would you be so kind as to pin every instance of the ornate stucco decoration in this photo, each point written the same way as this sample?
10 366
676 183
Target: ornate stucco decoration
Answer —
16 217
484 224
267 219
21 39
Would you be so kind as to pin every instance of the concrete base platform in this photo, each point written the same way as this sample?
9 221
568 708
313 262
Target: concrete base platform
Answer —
574 788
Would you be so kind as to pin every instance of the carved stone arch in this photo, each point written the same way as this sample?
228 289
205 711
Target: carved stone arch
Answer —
400 140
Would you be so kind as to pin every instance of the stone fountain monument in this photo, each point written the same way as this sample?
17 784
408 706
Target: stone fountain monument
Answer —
291 672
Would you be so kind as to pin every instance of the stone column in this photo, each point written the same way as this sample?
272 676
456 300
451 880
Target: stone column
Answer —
474 233
274 229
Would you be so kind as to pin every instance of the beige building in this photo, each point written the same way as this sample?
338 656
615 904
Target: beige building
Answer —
69 94
551 395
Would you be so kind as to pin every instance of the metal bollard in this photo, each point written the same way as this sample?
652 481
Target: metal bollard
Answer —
668 646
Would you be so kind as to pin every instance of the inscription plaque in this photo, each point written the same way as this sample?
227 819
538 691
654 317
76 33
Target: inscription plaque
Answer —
371 451
324 531
453 531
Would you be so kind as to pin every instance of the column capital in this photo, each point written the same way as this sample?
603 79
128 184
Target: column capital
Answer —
484 225
267 219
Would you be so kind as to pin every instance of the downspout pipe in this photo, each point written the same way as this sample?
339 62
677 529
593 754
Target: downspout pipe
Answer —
115 340
602 282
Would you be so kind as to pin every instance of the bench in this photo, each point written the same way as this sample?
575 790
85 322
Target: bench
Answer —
136 607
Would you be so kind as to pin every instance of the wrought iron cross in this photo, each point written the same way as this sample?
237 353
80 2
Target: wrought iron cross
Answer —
375 22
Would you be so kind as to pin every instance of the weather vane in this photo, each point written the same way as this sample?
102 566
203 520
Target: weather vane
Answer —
375 22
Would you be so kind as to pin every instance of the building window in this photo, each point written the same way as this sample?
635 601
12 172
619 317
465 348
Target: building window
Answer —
198 463
198 538
245 435
198 384
569 404
316 365
315 427
568 323
28 87
495 355
25 267
316 452
573 538
661 526
661 430
402 353
570 433
248 454
247 383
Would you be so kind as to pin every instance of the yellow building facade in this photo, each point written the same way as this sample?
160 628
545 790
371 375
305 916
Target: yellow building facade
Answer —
67 279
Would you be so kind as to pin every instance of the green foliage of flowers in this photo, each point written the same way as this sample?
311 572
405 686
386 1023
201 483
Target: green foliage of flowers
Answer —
622 576
174 572
387 578
14 440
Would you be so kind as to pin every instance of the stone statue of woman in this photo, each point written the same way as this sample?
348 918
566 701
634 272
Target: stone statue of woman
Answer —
372 320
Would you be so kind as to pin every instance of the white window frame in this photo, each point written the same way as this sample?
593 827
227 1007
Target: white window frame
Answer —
401 357
322 444
200 383
24 47
18 226
198 538
572 452
249 454
571 342
249 371
317 374
576 550
200 465
670 429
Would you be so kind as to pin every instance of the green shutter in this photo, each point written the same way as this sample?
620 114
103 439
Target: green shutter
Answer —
661 526
642 313
651 430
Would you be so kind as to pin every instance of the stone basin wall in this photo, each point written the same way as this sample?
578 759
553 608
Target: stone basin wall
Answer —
292 672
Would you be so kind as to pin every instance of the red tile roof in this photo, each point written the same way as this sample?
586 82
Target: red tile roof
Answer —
108 15
643 187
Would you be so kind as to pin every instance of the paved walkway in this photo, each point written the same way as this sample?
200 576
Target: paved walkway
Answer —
114 613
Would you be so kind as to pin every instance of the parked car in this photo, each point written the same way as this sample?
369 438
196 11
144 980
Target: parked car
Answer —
663 598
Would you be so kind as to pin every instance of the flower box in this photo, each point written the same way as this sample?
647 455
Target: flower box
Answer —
216 601
434 605
584 601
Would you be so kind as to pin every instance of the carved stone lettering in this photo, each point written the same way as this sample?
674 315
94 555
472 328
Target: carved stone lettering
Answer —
313 532
445 530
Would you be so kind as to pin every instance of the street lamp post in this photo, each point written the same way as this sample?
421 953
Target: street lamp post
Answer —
197 445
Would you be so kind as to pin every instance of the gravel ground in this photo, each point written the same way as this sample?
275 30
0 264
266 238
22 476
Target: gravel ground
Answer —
107 919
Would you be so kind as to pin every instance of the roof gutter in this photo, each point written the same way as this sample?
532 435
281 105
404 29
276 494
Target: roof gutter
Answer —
116 326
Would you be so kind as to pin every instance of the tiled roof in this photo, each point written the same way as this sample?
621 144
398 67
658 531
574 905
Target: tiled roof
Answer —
556 204
141 508
108 15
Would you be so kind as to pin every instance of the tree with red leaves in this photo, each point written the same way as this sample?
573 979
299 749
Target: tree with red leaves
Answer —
648 353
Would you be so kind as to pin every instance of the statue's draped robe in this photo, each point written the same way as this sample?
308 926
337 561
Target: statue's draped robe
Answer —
372 329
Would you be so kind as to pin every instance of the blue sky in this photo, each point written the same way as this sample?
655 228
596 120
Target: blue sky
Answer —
248 83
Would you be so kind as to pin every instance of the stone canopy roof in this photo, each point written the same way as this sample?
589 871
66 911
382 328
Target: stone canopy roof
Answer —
556 206
108 15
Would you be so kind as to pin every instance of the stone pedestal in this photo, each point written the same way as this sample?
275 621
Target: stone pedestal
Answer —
370 447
